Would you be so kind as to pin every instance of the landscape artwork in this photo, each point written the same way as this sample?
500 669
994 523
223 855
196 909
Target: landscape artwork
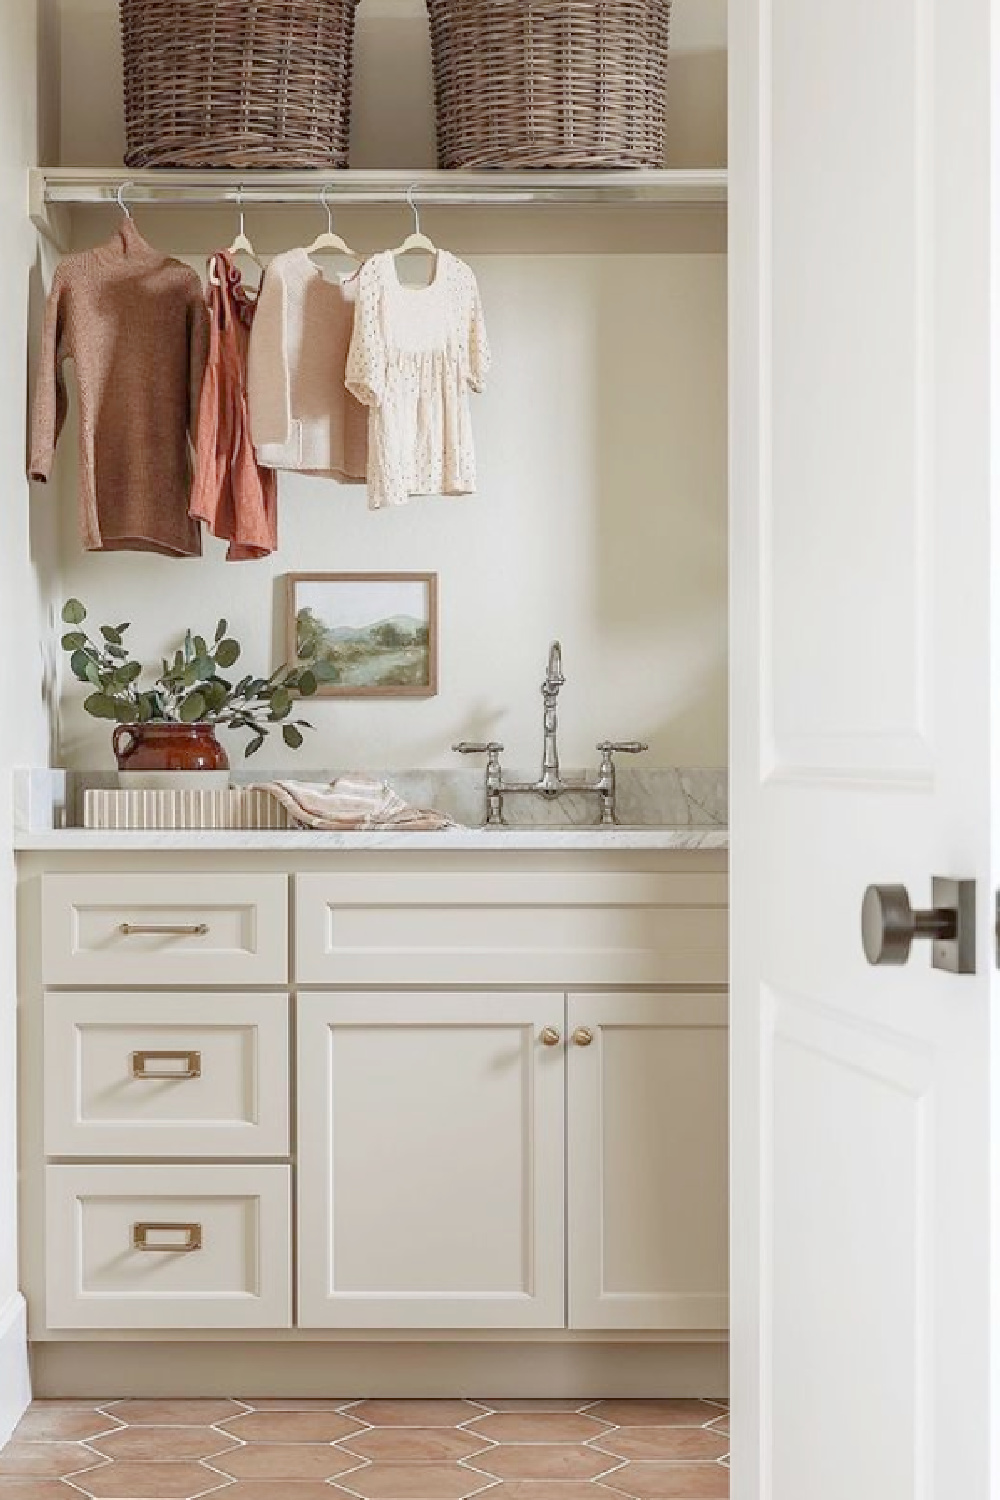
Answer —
374 633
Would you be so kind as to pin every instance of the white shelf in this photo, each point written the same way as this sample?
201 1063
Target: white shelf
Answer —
55 190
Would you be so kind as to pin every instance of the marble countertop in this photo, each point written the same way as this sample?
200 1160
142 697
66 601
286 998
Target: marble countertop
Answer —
546 839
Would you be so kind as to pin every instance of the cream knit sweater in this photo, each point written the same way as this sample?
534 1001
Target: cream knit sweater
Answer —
301 413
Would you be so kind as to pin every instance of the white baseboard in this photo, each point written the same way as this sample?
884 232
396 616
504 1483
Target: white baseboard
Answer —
106 1369
15 1386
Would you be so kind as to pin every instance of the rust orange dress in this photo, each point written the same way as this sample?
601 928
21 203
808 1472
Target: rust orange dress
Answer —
232 494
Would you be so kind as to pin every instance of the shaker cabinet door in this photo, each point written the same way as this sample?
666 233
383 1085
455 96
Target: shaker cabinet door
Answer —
431 1151
647 1161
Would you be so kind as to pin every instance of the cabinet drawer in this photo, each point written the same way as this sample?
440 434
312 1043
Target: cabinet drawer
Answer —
164 929
172 1074
568 929
168 1247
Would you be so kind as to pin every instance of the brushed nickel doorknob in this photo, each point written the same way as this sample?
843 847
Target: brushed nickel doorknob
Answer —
890 925
550 1036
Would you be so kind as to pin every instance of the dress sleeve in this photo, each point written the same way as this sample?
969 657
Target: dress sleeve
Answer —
480 357
366 358
50 404
269 388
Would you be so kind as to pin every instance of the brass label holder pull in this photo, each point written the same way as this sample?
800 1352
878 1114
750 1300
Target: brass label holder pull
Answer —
192 1238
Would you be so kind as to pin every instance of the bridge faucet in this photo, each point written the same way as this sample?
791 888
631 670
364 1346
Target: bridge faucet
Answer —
551 783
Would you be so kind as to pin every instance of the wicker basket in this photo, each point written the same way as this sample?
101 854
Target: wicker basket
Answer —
237 83
550 83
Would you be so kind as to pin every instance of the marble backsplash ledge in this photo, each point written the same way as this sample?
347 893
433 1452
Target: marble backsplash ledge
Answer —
695 797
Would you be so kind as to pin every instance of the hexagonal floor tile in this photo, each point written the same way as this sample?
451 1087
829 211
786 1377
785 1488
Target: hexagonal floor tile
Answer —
285 1461
670 1443
415 1413
545 1461
158 1481
36 1489
535 1403
152 1444
415 1444
64 1424
280 1489
291 1427
415 1482
665 1413
539 1427
547 1489
671 1481
178 1413
46 1460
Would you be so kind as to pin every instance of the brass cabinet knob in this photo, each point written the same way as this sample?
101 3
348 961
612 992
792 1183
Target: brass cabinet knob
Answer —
550 1036
583 1036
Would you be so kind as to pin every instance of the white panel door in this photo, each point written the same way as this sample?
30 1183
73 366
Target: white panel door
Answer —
647 1161
431 1140
863 516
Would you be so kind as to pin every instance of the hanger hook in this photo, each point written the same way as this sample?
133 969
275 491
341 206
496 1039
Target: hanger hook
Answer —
120 198
412 201
239 204
324 190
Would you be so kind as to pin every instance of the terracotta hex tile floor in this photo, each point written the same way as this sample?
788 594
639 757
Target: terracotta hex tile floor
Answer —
287 1449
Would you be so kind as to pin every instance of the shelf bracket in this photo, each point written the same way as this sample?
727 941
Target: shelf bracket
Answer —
50 219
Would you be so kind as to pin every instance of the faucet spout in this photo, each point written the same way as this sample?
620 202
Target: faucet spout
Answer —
550 781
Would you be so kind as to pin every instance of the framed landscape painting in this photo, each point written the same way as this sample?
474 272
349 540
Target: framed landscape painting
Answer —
376 634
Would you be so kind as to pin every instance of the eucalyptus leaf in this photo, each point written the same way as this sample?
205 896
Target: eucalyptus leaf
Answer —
79 664
204 667
101 706
94 674
291 736
307 684
254 745
111 635
227 652
73 612
74 640
192 708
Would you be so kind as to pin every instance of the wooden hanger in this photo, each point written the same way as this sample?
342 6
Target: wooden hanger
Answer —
329 239
417 240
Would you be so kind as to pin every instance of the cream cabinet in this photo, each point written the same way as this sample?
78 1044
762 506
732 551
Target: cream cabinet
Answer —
431 1156
402 1095
432 1131
647 1160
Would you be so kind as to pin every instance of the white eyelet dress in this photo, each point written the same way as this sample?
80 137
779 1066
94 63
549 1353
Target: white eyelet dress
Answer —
415 355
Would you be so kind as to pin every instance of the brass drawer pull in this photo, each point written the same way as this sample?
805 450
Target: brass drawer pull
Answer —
192 1241
163 929
139 1069
550 1036
583 1036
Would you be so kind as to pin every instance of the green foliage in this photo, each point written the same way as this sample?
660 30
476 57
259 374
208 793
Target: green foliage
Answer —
191 687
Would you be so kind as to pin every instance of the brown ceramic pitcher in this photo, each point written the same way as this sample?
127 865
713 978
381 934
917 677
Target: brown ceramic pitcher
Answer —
168 747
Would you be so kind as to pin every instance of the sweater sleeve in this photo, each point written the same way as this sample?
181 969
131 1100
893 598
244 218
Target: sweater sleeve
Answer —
269 388
198 341
366 358
50 403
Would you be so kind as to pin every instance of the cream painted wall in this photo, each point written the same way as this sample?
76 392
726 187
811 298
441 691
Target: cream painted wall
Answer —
26 561
602 438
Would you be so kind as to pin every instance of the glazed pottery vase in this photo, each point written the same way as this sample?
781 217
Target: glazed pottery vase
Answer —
169 757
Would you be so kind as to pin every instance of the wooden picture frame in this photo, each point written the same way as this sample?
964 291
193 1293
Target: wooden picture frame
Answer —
374 664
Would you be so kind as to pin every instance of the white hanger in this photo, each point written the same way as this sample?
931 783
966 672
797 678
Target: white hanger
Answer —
417 240
329 239
241 244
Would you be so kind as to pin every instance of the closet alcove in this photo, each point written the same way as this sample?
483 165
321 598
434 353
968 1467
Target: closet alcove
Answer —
602 437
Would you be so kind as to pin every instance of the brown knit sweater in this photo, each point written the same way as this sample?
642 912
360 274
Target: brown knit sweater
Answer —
135 325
